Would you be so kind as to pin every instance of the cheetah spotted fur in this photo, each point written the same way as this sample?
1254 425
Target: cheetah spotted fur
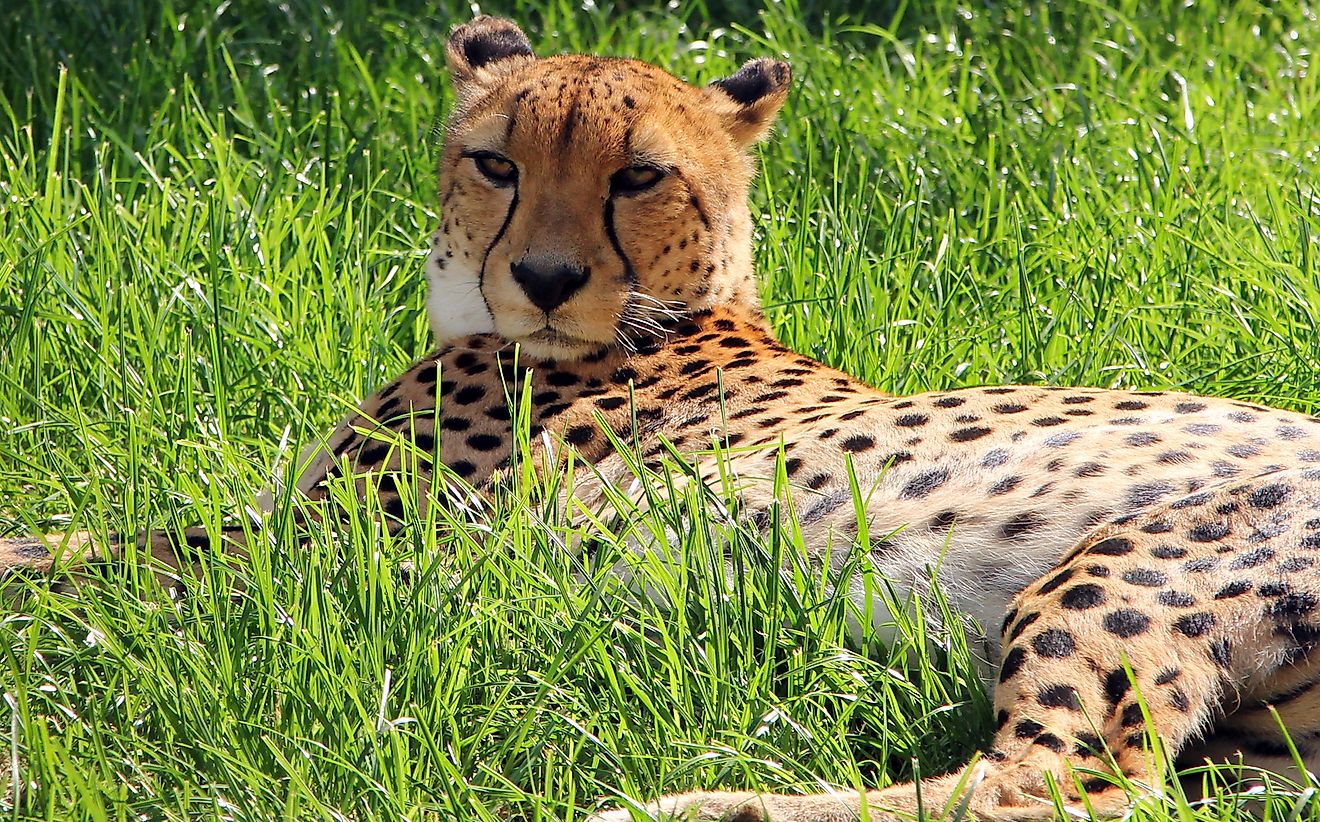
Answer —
1129 558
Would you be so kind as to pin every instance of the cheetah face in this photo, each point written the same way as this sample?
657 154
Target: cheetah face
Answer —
587 200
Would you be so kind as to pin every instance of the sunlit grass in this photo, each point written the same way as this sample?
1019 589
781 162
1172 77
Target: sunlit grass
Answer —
212 221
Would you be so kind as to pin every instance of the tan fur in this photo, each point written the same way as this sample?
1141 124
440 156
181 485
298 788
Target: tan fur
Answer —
1172 536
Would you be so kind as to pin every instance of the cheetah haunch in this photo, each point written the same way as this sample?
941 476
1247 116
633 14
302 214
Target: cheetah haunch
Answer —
1132 559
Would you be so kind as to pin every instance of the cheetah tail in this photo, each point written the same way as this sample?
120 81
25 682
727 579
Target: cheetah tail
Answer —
60 552
982 791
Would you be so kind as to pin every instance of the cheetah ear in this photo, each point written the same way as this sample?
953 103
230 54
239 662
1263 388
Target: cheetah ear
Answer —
482 50
748 101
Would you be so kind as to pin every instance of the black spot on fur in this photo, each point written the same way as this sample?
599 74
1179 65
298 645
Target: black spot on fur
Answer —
1112 547
1209 532
1221 653
1168 552
1176 599
1175 457
1088 744
1292 605
1027 729
1083 597
1023 624
1234 589
1050 742
1144 495
1059 695
1054 643
924 483
1243 451
1194 625
968 434
373 453
1270 496
1145 577
1193 501
1252 558
1058 580
1012 664
1008 619
943 521
484 442
1005 485
580 435
1133 716
857 443
1020 526
1273 589
1125 623
468 394
1117 684
463 468
392 504
455 423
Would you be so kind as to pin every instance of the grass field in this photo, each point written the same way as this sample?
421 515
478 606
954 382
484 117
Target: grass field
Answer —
212 221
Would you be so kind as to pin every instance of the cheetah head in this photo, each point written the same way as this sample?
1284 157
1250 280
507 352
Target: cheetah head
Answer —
588 199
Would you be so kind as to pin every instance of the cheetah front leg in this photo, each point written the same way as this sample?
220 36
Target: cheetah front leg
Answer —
1145 627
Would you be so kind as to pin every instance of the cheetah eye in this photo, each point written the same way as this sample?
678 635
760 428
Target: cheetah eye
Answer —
635 179
499 170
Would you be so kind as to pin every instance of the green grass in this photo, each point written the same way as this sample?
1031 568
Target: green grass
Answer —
212 221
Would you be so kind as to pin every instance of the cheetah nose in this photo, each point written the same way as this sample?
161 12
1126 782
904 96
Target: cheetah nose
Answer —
549 286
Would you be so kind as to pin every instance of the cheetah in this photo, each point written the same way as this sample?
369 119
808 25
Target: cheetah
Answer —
1127 560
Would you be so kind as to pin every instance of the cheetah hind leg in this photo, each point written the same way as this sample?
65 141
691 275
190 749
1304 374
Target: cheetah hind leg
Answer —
1145 625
